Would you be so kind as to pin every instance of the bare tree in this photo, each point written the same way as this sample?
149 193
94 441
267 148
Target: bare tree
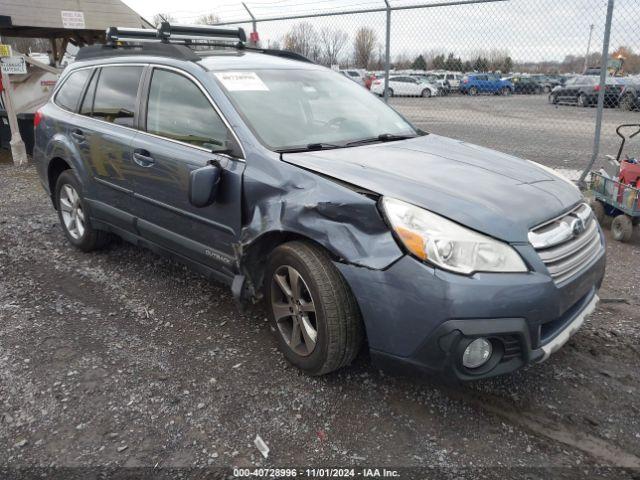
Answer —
208 19
303 39
363 46
332 44
158 18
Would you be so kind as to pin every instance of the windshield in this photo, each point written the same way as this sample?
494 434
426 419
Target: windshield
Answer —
287 109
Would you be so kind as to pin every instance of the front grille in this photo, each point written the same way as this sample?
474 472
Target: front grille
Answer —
568 243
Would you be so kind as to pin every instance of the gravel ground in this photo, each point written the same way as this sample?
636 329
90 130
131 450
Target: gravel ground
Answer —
523 125
123 359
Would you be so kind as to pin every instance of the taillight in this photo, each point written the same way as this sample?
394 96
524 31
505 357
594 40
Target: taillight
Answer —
377 82
37 118
465 80
596 88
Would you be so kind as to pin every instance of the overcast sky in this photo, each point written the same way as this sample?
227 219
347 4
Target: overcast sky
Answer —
529 29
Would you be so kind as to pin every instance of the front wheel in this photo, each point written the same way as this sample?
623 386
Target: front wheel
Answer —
73 214
627 103
582 100
313 311
426 93
506 91
473 91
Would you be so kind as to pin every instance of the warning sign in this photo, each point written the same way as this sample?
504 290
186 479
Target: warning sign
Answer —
14 65
72 19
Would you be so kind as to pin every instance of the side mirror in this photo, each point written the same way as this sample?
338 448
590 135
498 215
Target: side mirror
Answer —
203 185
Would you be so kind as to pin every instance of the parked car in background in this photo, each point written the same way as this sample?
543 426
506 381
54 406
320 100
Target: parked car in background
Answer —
475 83
405 85
442 85
450 78
583 91
357 76
630 95
524 85
548 82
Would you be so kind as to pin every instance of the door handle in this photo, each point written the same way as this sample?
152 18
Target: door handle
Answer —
143 158
77 135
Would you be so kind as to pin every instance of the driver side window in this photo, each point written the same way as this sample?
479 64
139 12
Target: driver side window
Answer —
177 109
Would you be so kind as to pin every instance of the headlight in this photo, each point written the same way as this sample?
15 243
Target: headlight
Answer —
446 244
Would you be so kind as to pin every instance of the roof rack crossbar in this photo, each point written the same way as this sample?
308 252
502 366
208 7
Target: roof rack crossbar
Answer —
167 33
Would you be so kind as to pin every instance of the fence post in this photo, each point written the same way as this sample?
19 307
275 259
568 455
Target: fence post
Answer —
603 81
387 53
18 150
253 24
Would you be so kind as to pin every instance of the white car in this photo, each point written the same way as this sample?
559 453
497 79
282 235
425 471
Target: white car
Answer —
355 75
405 85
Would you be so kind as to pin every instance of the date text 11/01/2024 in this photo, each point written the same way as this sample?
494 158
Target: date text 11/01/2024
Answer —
316 472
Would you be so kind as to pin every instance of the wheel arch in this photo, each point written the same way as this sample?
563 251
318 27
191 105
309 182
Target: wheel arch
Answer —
253 260
56 166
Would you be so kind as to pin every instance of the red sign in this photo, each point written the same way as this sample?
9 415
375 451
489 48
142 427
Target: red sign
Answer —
254 37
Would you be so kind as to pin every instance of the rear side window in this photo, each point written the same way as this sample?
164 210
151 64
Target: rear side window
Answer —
116 93
68 95
177 109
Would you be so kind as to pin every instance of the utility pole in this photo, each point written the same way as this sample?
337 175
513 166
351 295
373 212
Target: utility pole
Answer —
586 57
18 150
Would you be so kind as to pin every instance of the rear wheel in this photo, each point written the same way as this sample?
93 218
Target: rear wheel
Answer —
473 91
73 214
390 92
506 91
622 228
426 93
314 313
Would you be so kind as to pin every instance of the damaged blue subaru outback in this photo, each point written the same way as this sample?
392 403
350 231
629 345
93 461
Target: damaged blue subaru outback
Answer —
297 187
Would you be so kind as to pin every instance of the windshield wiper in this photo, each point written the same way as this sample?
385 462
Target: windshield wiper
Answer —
383 137
310 147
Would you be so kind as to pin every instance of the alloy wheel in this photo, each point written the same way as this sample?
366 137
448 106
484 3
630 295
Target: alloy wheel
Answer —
294 310
72 212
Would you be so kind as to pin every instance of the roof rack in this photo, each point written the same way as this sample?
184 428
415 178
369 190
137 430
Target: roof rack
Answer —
175 41
167 33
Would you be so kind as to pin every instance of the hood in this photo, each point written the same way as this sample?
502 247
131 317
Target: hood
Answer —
488 191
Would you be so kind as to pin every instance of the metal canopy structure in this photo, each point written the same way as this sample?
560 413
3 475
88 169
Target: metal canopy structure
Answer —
79 22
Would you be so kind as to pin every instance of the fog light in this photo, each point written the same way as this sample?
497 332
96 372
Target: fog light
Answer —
477 353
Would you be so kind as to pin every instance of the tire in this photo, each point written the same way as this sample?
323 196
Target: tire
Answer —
506 91
627 103
390 93
74 214
598 210
622 228
426 93
553 99
583 101
336 318
547 89
473 91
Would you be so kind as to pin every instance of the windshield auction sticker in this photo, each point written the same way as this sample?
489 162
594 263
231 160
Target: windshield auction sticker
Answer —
242 81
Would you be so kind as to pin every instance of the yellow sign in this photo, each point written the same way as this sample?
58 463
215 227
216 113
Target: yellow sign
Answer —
5 50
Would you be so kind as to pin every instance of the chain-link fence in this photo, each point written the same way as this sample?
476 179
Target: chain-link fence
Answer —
520 76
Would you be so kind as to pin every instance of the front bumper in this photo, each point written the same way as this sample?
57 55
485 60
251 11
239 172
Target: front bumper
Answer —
422 318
